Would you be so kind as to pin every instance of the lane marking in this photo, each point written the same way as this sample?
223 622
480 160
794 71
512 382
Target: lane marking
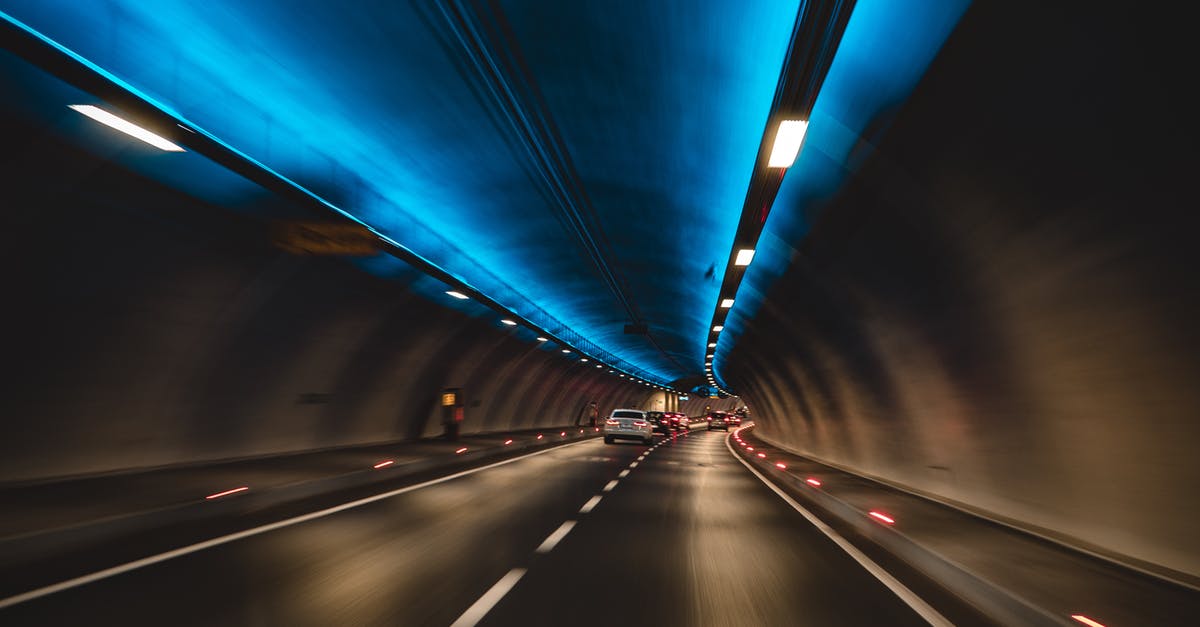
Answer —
480 608
611 484
624 473
918 605
553 539
633 465
233 537
590 505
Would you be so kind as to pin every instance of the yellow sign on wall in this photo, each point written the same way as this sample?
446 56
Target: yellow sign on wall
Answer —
449 399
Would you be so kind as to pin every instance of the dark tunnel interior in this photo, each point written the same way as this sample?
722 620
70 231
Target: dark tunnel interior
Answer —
990 303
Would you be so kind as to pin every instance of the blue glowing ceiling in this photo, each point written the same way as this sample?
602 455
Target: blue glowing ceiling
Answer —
583 163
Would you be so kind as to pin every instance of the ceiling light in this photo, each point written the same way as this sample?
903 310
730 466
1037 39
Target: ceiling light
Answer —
566 351
129 128
712 345
458 295
787 143
744 257
727 303
509 322
708 356
599 366
584 359
542 339
718 328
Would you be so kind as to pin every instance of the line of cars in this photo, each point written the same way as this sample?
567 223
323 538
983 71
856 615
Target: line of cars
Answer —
635 424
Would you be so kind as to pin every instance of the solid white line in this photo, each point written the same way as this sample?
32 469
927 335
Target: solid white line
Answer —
611 484
918 605
480 608
553 539
624 473
590 505
208 544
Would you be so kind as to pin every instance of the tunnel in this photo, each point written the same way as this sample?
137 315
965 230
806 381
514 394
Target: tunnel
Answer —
670 312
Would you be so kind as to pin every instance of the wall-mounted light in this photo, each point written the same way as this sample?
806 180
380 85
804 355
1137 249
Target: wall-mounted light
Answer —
542 339
458 295
508 322
787 143
127 127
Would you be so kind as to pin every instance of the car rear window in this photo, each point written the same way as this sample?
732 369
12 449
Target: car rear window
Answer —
627 414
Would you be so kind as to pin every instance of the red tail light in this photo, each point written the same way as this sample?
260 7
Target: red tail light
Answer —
612 423
640 423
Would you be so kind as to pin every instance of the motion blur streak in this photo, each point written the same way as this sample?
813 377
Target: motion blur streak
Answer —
227 492
1086 621
883 517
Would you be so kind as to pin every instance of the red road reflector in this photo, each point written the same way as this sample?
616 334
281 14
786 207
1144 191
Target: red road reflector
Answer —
507 442
749 448
461 451
383 464
781 466
227 492
539 436
1085 620
812 482
762 455
881 517
563 434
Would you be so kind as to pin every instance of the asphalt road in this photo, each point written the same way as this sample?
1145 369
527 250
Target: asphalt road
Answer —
582 534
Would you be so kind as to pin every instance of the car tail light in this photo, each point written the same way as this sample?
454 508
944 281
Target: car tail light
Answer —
640 423
612 423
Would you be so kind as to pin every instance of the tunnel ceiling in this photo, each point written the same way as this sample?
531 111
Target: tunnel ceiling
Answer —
585 164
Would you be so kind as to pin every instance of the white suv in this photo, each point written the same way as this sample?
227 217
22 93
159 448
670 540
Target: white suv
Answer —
628 424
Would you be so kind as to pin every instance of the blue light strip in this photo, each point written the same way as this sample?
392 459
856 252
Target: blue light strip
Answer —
446 276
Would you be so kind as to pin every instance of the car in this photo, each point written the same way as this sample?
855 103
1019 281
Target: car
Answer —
628 424
679 422
660 420
717 420
734 419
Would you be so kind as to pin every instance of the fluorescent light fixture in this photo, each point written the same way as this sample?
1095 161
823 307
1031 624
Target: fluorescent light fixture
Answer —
727 303
744 257
458 295
566 351
712 345
787 143
509 322
599 366
584 359
542 339
718 328
709 356
129 128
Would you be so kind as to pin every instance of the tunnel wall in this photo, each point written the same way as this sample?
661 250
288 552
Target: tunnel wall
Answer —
145 329
999 308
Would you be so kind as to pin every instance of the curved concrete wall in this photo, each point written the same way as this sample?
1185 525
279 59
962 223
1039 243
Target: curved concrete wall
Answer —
999 309
143 330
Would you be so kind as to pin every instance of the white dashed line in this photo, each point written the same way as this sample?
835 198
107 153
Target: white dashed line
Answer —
476 612
633 465
611 484
591 504
553 539
624 473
